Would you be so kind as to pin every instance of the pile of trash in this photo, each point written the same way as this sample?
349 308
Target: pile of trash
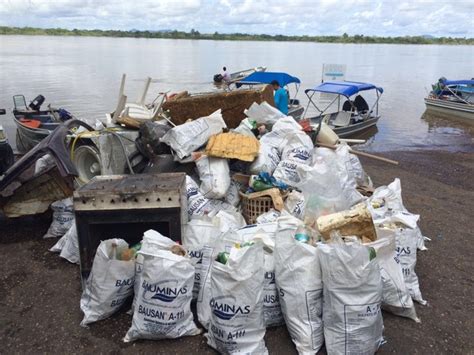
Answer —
280 231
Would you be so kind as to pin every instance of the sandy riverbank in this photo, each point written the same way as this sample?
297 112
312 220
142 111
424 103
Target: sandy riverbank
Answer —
39 292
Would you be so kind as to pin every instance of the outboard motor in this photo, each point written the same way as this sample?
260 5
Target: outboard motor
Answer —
35 105
218 78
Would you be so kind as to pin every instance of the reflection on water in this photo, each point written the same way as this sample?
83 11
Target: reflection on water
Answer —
82 74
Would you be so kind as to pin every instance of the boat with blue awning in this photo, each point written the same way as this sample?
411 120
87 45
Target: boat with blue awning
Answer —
344 109
452 97
289 82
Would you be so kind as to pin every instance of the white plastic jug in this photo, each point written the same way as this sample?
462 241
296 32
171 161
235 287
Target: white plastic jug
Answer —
326 135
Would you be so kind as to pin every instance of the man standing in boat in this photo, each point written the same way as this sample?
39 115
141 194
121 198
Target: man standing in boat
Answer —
225 74
280 97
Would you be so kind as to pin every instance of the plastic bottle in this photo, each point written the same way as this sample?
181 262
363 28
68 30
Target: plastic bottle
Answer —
302 235
257 184
222 257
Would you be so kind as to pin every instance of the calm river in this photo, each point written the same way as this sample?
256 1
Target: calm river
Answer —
82 74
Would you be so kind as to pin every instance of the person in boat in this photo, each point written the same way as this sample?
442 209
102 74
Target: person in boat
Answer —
225 74
280 97
438 88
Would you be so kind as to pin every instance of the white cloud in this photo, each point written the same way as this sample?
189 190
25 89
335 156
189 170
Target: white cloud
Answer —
311 17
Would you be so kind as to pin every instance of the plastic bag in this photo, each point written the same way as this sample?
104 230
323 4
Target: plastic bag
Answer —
352 165
236 323
215 176
198 205
271 146
352 291
232 195
159 241
288 125
299 148
109 284
266 233
342 168
294 204
263 113
70 250
406 241
63 218
323 193
186 138
245 127
298 279
386 206
268 217
199 239
230 220
59 245
225 243
44 164
396 296
164 298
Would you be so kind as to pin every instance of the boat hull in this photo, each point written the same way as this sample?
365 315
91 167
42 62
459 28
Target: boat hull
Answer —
296 111
27 137
450 108
352 129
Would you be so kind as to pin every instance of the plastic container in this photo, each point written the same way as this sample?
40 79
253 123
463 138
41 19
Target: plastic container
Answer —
326 135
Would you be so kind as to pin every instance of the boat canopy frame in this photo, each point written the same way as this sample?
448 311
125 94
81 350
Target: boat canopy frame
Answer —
453 86
259 78
345 89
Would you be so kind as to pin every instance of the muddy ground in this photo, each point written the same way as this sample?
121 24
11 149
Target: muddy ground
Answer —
39 292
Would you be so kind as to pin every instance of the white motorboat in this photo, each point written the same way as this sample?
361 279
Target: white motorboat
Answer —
348 113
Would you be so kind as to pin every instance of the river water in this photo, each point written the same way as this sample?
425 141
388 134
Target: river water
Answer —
82 74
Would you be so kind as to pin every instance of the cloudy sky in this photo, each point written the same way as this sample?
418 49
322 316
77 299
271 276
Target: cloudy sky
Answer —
311 17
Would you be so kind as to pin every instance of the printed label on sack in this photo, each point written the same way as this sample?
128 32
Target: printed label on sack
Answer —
271 301
314 309
300 153
162 303
123 290
229 325
361 324
202 263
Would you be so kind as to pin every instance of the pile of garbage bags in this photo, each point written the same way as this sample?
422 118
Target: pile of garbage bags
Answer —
324 265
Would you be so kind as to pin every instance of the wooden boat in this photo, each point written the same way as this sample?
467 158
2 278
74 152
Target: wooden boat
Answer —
295 109
34 124
352 116
218 78
452 98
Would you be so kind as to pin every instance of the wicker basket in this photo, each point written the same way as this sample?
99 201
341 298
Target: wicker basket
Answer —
254 205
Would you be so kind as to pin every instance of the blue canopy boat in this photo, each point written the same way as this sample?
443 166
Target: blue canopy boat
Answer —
259 78
347 113
452 97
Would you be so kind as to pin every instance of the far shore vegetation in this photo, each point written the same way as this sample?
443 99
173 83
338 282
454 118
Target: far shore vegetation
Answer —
193 34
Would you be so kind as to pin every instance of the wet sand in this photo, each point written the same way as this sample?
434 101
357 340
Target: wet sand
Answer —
39 292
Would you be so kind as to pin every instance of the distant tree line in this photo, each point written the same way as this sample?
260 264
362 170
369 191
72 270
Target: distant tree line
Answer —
194 34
